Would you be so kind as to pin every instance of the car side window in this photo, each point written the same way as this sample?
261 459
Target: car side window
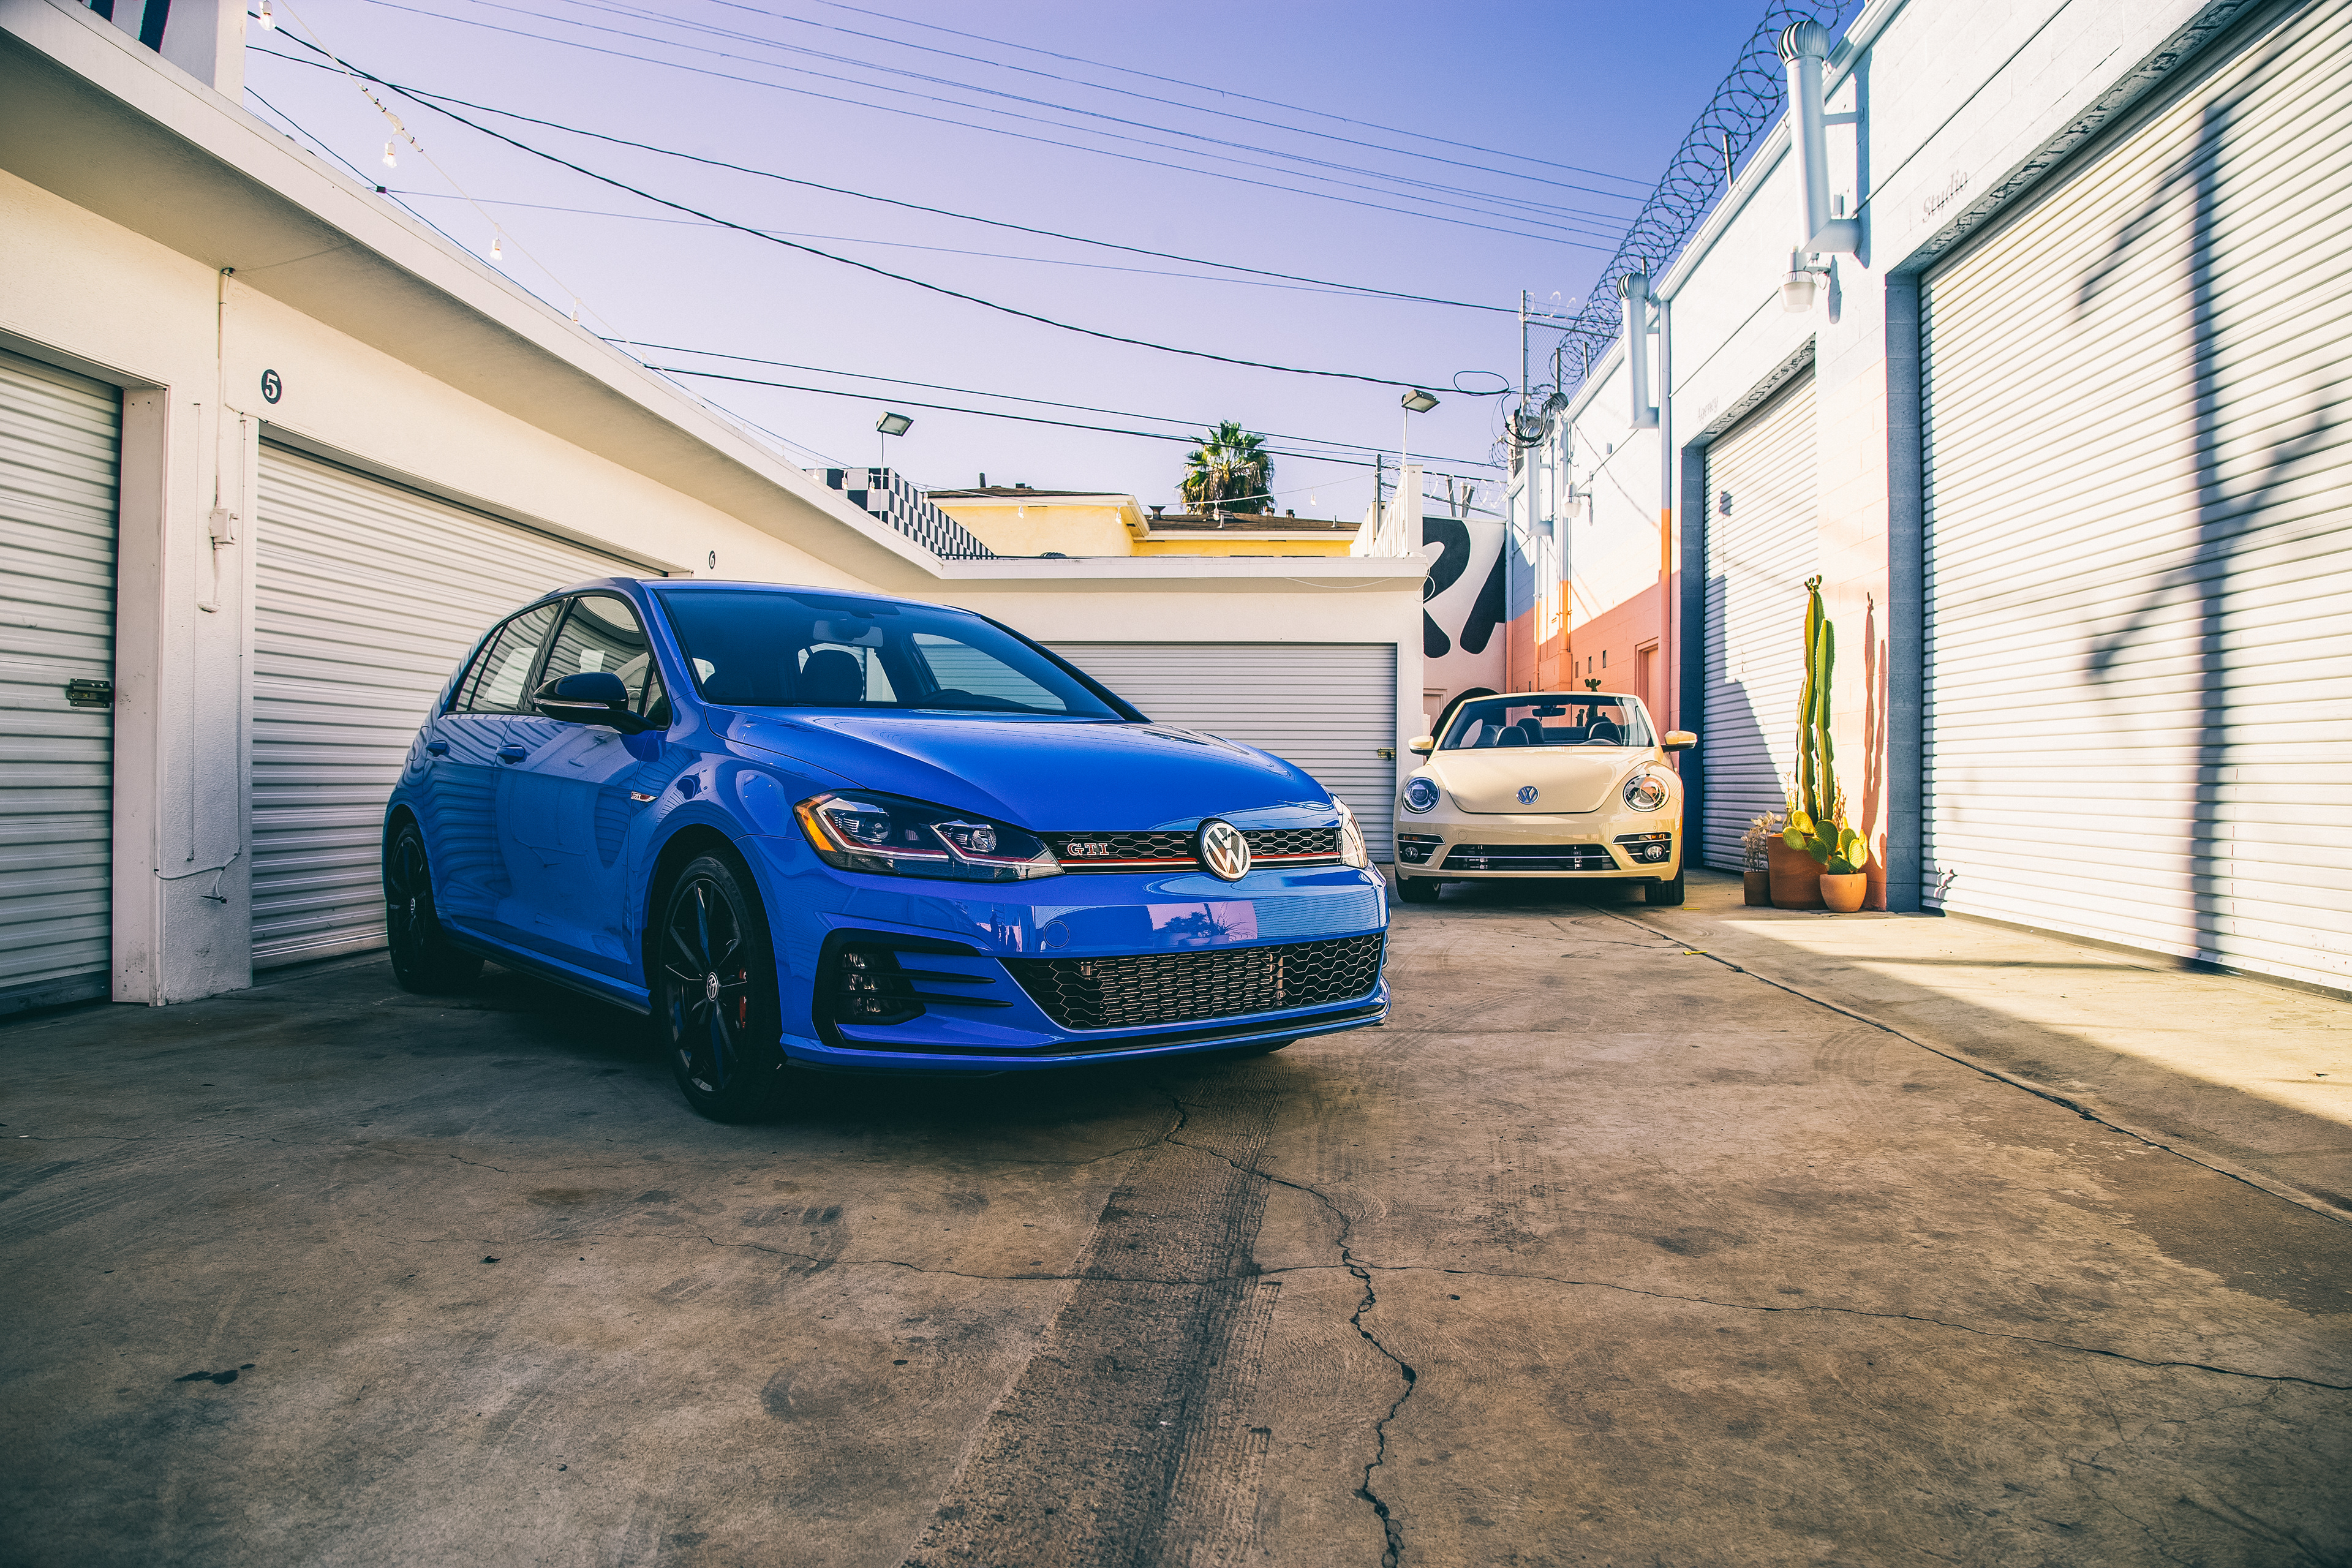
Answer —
500 678
603 632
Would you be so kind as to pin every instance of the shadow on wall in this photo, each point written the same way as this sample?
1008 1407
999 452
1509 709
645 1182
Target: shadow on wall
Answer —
2231 505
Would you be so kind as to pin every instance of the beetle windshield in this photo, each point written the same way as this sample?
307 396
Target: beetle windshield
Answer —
1595 720
755 647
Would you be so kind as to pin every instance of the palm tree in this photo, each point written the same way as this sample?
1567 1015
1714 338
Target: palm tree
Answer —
1229 471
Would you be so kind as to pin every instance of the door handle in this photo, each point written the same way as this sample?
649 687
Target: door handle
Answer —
438 748
512 753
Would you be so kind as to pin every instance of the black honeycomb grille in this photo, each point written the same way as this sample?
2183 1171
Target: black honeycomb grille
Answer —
1181 987
1121 851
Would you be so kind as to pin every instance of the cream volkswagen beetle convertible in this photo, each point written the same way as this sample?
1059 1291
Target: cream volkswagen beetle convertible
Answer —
1543 784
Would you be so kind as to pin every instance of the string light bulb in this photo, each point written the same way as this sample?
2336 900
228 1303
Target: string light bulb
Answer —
391 155
497 249
268 22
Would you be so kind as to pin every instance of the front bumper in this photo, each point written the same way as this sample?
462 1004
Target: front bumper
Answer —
1446 844
955 946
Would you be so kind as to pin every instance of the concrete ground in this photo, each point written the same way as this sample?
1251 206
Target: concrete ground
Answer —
1638 1236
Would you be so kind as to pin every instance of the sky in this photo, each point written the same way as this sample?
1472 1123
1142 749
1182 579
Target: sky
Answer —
1461 155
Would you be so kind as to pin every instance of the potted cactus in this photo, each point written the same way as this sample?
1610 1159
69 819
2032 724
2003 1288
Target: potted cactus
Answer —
1816 827
1754 858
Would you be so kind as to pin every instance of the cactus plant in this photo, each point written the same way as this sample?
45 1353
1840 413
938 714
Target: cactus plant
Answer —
1816 820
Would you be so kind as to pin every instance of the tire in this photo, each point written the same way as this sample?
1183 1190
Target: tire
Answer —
714 992
424 959
1417 890
1664 895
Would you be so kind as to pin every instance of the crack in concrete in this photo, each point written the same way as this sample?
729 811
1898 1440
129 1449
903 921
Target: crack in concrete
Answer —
2301 1200
1392 1530
1865 1312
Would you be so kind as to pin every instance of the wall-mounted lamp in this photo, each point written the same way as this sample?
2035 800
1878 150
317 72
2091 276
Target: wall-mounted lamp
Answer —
1634 288
1803 48
1797 289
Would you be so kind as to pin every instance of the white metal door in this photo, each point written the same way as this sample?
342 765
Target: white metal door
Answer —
1761 545
366 597
60 437
1329 708
2139 395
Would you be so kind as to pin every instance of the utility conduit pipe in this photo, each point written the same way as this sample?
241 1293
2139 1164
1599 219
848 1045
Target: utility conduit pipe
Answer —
1803 48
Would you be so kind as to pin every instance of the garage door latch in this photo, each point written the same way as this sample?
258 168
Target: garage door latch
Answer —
91 693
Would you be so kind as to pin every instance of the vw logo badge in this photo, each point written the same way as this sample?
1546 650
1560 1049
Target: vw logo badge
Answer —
1223 850
1526 795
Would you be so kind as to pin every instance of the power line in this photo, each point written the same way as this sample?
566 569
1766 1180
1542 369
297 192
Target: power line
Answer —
900 277
437 100
640 14
1042 141
1037 419
981 391
1200 87
1342 290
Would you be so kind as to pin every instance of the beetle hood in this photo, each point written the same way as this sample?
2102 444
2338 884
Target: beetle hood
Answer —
1565 778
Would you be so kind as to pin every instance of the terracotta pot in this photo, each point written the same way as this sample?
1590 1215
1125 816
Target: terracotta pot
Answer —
1760 888
1796 879
1844 893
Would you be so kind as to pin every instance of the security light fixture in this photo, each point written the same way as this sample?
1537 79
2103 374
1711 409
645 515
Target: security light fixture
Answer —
1798 289
894 424
1417 402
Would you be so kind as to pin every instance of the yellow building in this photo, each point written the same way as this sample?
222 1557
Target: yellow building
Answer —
1015 519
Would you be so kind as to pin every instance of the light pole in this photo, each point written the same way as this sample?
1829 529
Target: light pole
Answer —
1414 402
892 425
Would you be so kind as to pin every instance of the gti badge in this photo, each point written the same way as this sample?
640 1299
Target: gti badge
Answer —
1526 795
1223 850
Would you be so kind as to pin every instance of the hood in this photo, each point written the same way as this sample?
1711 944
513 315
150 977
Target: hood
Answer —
1566 778
1048 776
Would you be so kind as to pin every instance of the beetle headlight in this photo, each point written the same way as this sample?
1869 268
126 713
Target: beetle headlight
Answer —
1420 794
896 837
1353 851
1645 791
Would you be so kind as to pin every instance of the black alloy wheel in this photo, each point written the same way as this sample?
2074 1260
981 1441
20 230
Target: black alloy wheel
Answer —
424 959
715 998
1664 894
1417 890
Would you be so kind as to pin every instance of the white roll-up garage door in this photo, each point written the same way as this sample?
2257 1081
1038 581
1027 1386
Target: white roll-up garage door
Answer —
366 597
1761 545
60 437
1331 707
2138 395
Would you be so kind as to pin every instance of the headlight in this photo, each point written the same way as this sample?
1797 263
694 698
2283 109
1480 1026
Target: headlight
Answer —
1421 794
900 837
1352 847
1645 791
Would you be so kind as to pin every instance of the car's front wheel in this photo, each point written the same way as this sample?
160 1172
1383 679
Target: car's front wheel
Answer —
1665 893
424 959
1417 890
715 997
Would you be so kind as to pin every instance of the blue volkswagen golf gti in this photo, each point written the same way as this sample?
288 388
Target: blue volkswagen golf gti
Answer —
806 829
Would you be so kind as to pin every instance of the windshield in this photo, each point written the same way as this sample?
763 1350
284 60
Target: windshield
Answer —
755 648
1598 719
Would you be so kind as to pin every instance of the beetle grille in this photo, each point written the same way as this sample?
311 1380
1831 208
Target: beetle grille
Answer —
1180 987
1529 857
1151 851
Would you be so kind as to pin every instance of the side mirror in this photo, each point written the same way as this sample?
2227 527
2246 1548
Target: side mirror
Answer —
1424 746
589 697
1679 740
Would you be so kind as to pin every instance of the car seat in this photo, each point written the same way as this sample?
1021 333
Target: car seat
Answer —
833 679
1513 736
